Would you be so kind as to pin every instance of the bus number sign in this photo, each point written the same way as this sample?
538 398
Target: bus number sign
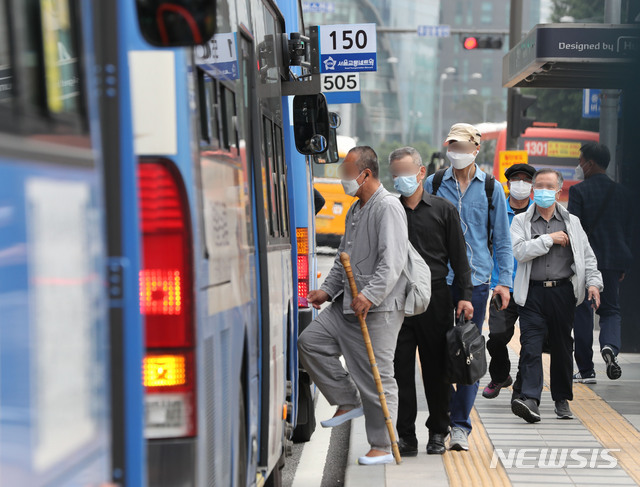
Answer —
536 148
552 148
347 48
340 82
341 87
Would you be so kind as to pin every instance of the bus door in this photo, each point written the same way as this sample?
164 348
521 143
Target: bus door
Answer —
276 287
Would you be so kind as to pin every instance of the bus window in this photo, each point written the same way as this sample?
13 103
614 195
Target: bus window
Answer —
6 86
176 23
49 105
228 118
60 57
209 109
282 179
272 175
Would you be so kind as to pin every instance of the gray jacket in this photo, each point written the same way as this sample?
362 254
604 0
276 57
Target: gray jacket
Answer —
376 239
525 249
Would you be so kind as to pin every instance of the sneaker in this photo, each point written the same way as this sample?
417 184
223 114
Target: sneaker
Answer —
562 410
459 440
435 446
586 378
408 448
493 388
526 409
614 371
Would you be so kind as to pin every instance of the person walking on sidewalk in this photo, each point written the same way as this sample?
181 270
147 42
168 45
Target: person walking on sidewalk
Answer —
482 206
375 238
555 266
435 232
502 322
603 207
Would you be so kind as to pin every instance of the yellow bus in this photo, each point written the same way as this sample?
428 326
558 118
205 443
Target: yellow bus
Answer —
330 219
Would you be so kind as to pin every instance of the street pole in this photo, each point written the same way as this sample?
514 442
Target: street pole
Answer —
437 142
609 100
515 34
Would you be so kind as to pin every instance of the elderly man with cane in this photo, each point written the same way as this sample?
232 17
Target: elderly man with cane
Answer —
376 240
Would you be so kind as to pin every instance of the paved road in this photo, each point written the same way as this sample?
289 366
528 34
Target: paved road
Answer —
320 462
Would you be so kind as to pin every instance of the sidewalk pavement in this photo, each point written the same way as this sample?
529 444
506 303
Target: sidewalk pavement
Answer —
607 415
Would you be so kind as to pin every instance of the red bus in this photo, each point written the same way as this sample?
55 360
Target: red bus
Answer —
548 147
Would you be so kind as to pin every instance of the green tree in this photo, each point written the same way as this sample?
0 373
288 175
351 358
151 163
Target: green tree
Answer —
580 10
564 106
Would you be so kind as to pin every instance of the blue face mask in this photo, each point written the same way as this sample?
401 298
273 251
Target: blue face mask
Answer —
406 185
544 198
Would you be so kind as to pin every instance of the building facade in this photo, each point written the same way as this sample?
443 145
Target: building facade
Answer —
470 81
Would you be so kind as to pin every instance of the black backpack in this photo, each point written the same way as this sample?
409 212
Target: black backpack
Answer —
466 357
489 186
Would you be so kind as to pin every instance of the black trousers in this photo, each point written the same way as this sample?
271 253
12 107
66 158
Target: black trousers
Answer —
547 310
501 329
427 332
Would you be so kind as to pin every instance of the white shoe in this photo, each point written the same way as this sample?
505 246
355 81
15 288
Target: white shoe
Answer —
343 418
381 460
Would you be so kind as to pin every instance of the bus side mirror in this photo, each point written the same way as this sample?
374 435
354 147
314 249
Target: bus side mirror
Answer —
311 124
334 120
331 156
176 23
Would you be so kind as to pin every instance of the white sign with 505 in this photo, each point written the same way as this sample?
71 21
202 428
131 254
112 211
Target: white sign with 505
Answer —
340 82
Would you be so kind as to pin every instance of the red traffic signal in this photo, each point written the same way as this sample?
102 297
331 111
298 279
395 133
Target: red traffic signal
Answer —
470 43
484 42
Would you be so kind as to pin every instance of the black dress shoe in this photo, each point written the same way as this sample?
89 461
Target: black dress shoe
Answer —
435 446
408 448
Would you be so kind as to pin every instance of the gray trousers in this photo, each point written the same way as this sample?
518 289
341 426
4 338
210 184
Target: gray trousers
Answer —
333 334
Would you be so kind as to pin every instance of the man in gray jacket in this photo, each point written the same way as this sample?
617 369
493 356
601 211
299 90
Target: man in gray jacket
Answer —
555 266
375 238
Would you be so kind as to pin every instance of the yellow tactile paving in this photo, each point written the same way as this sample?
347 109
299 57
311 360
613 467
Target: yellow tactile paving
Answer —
608 426
472 468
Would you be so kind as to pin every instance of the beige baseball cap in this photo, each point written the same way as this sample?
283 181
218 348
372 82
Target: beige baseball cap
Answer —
464 132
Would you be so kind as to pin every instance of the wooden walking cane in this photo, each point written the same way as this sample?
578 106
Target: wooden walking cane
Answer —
346 263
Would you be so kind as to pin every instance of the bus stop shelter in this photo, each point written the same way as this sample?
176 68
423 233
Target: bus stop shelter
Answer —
605 56
573 56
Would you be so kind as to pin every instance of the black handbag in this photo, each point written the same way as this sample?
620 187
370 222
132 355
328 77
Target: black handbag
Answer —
466 356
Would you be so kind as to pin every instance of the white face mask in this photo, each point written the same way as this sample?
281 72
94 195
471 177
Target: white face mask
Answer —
460 160
578 173
351 186
520 190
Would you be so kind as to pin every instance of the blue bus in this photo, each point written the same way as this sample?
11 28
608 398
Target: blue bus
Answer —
154 210
71 332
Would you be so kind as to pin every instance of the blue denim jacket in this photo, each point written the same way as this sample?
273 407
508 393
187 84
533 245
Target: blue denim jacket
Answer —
473 206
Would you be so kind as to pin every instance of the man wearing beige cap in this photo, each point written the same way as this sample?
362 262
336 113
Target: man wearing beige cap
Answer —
481 202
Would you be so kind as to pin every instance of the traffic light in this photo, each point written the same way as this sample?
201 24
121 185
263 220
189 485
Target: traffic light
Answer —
482 42
518 120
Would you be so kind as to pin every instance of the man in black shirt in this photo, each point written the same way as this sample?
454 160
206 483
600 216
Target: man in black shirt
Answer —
435 232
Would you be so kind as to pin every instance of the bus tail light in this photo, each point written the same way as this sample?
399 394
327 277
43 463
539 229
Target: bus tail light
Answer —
166 286
302 237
